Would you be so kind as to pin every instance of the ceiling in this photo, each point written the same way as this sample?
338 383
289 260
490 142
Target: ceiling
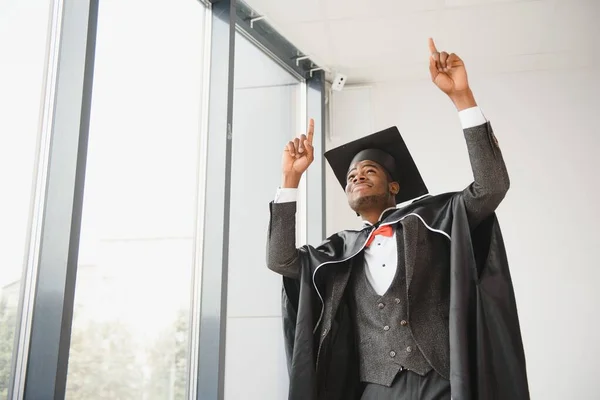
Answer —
386 40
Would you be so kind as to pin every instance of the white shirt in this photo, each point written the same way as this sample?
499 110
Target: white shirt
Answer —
381 261
381 257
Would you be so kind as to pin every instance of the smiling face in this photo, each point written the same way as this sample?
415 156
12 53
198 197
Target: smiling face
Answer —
369 187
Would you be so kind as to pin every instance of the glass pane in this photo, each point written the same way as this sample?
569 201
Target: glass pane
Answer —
266 114
136 260
23 41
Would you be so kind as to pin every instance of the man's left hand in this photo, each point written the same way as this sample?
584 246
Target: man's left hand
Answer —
449 74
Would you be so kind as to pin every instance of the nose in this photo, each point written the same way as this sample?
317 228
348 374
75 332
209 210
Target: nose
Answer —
358 178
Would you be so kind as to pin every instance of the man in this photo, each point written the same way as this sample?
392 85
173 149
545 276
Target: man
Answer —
418 304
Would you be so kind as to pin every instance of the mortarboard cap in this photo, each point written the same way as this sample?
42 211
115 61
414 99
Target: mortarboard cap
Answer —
387 148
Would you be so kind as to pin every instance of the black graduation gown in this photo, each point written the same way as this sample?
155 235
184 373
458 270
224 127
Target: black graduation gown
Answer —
487 359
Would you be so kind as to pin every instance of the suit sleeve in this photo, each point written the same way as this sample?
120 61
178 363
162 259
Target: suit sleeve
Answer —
491 182
282 255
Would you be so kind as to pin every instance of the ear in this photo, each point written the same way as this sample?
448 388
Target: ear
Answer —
394 188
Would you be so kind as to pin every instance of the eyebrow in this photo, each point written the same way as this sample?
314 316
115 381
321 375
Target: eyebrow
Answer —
373 165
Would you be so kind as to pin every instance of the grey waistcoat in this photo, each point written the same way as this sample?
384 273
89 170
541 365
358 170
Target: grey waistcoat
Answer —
386 343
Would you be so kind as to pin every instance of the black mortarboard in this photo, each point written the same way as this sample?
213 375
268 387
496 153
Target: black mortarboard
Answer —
387 148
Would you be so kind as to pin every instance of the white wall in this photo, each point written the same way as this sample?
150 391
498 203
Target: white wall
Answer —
546 123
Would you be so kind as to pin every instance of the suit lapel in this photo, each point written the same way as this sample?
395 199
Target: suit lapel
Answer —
408 247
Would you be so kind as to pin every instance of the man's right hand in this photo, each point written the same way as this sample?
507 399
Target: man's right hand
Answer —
298 154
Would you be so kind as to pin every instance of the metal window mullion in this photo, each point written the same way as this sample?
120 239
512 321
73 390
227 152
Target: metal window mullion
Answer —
53 295
215 246
315 180
196 300
302 217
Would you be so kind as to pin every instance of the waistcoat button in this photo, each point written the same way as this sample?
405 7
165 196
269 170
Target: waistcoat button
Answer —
409 349
397 301
392 354
386 328
403 323
380 305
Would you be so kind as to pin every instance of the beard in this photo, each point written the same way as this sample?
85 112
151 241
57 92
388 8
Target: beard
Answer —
374 201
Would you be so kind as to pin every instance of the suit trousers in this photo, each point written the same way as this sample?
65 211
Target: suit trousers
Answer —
409 385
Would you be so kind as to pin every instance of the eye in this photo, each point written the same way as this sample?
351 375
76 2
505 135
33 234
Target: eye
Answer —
350 177
370 171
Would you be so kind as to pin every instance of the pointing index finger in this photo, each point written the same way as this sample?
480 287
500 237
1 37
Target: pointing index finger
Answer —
432 48
311 131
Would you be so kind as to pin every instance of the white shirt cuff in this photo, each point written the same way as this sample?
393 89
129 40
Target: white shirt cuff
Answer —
471 117
286 195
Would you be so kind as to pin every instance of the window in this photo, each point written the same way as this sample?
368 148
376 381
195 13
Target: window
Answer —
131 324
267 113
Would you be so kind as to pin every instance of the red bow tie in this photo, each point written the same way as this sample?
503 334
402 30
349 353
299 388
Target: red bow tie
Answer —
383 230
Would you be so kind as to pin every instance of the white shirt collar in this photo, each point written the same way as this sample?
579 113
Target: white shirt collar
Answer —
367 223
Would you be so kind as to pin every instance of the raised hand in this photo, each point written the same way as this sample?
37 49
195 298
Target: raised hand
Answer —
448 71
449 74
297 156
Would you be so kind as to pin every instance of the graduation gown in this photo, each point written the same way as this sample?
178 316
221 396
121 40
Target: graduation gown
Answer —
487 358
